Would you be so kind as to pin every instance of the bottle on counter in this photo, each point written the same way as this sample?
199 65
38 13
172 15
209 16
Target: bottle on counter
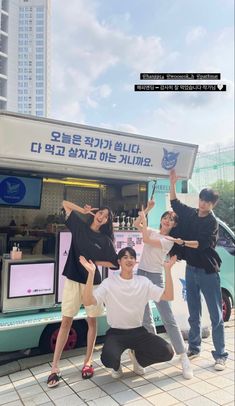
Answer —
16 253
116 223
12 223
132 221
128 223
123 223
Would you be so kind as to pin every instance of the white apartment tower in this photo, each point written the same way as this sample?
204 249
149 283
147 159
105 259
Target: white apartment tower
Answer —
24 56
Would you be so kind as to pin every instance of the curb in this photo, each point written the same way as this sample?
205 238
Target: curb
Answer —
30 362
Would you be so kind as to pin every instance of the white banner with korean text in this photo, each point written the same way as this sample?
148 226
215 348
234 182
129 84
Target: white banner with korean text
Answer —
51 141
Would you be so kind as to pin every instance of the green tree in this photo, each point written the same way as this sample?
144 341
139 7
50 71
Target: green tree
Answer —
225 207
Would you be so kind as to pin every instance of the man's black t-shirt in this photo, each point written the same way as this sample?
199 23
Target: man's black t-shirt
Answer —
202 229
92 245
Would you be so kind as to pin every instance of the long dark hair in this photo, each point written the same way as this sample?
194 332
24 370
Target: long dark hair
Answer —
172 214
106 228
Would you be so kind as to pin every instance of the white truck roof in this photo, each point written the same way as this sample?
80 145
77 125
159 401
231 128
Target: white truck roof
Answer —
42 145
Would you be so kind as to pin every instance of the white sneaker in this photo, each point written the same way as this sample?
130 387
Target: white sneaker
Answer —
220 364
186 366
137 368
117 374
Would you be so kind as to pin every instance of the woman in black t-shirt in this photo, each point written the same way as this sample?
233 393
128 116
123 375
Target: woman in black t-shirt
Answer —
94 240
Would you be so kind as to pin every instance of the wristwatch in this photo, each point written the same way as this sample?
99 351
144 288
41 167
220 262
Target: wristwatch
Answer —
183 244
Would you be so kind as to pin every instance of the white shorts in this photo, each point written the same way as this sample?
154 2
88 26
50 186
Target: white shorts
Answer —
72 300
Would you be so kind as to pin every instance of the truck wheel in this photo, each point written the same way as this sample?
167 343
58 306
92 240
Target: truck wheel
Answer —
77 336
226 306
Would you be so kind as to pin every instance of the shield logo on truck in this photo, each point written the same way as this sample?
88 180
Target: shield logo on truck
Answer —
12 190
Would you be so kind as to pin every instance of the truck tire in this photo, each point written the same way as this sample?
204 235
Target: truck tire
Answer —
77 336
226 305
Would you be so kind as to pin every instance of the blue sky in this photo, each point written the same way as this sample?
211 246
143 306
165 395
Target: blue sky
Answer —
99 48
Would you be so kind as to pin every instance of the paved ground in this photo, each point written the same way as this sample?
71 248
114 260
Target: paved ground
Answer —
162 385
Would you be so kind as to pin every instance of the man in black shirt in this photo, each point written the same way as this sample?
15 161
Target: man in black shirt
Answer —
200 228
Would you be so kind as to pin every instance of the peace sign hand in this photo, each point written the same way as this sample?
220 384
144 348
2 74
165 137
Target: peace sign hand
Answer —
87 209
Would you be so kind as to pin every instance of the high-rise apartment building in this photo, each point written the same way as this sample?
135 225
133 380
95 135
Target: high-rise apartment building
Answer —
24 56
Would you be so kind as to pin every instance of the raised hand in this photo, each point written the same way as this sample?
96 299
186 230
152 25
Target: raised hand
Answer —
87 209
150 204
169 263
173 177
88 265
143 217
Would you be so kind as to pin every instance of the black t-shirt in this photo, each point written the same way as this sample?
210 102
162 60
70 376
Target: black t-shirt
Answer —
202 229
92 245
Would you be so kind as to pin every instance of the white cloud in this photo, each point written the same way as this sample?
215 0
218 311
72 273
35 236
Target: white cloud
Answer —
97 60
220 53
164 114
120 21
171 58
104 91
129 87
227 142
195 34
69 112
124 127
218 58
84 50
96 94
106 125
128 128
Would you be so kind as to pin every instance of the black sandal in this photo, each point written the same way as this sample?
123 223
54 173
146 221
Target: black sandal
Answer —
53 377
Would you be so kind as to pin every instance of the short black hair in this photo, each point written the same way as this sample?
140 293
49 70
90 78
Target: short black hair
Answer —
123 252
209 195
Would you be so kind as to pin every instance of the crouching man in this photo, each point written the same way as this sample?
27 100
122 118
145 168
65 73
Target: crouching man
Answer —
125 296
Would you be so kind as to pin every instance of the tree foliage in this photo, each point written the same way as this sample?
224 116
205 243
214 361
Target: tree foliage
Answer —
225 206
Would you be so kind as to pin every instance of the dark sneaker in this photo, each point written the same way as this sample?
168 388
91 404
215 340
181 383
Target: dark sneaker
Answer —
192 355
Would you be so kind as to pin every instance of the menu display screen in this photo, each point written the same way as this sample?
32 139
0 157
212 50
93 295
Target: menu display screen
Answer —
20 191
31 279
132 239
121 239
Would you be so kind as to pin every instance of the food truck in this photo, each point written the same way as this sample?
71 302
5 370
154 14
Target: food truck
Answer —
42 163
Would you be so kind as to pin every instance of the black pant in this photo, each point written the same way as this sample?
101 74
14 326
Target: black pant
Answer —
149 348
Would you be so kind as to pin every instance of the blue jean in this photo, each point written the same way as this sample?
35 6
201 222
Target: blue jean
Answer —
197 281
166 314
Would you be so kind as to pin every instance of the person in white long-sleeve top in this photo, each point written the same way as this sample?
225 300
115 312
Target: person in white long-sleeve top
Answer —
157 245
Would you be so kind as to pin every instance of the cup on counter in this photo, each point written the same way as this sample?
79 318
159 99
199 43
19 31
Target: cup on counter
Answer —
16 255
